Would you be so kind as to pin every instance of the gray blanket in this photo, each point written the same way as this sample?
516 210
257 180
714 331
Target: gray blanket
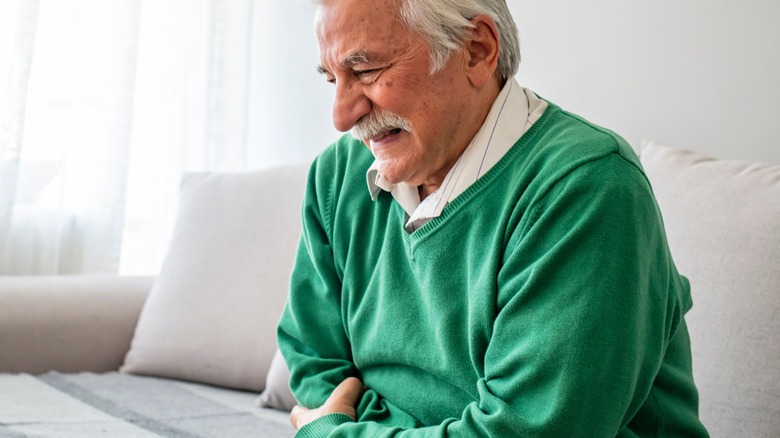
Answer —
122 405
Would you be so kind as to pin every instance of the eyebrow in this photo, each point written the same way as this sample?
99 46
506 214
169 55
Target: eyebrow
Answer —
353 58
358 57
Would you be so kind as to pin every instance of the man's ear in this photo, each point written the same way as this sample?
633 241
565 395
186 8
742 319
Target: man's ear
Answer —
482 47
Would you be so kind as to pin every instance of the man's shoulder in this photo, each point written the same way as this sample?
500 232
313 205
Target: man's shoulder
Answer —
563 141
563 148
568 136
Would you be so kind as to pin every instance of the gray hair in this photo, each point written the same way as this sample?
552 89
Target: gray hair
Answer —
444 24
377 123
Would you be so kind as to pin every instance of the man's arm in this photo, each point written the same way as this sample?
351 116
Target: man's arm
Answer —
585 316
311 333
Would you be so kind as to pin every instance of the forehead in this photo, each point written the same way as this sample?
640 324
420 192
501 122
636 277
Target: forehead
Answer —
367 27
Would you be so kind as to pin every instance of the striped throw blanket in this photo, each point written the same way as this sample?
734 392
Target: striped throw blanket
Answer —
121 405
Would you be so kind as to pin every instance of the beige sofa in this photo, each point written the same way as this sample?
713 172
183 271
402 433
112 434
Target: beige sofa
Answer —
205 326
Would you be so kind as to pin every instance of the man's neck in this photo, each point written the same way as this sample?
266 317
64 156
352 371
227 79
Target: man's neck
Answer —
480 110
426 190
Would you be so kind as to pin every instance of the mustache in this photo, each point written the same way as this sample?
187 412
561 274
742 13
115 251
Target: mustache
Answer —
378 123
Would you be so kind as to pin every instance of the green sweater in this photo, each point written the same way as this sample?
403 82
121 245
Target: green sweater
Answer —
542 302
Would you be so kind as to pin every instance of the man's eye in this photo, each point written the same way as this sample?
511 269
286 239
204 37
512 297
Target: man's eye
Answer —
366 73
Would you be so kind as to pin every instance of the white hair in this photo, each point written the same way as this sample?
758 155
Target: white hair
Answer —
377 123
444 24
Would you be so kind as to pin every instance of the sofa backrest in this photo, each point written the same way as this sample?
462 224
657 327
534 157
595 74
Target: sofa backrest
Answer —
722 218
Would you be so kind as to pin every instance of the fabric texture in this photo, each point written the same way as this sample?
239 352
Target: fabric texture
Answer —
212 312
542 302
723 218
121 405
277 394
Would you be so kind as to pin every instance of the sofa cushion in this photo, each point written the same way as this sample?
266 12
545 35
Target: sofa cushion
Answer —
277 393
212 312
122 405
723 224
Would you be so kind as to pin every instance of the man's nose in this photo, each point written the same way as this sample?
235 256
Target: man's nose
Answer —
350 105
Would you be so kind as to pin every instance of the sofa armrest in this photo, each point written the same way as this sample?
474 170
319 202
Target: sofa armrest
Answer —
68 323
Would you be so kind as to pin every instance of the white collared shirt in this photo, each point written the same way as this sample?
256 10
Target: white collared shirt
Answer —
499 132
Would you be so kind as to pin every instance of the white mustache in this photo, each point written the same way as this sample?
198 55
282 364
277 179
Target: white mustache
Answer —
378 123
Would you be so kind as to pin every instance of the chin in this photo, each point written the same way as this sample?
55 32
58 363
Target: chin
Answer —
391 173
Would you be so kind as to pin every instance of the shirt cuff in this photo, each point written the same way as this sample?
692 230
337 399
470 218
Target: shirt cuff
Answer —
323 426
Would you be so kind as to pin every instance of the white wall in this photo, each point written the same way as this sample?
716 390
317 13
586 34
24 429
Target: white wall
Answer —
700 74
290 109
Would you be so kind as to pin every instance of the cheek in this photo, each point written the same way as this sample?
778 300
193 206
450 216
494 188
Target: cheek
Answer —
387 96
437 124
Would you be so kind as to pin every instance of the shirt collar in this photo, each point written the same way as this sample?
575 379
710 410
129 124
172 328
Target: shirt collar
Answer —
501 126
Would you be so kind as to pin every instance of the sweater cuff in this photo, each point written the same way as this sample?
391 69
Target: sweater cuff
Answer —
323 426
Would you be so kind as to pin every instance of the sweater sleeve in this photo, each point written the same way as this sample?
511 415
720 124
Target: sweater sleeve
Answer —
311 333
589 301
587 304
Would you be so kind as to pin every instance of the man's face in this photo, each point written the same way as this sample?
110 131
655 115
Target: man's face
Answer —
410 120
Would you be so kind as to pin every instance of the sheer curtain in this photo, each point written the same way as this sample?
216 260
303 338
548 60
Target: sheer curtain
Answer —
67 109
191 112
103 105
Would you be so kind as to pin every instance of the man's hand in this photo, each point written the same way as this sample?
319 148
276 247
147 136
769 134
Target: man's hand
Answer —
342 400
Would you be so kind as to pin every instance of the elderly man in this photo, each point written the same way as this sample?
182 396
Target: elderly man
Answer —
506 271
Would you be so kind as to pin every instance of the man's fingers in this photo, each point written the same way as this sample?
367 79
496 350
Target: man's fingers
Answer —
296 415
344 398
347 393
